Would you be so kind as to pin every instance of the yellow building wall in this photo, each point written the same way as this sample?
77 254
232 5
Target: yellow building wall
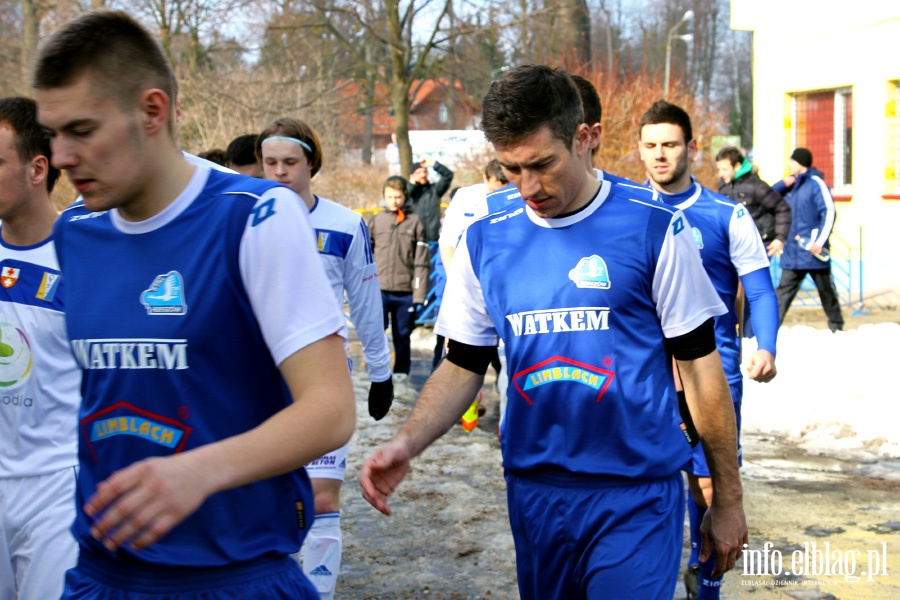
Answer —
807 45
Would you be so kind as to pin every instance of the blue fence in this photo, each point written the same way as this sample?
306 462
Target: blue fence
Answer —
429 312
846 269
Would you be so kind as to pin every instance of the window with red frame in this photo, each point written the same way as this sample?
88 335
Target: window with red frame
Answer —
823 124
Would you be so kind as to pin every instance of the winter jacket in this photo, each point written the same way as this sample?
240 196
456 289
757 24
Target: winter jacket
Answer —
425 201
401 254
770 212
812 209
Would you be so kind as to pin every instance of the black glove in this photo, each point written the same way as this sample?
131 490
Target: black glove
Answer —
381 396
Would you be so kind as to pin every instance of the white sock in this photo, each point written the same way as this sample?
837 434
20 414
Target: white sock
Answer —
322 553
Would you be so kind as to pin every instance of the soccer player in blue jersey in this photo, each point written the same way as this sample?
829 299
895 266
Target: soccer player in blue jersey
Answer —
590 288
207 334
290 153
39 404
732 251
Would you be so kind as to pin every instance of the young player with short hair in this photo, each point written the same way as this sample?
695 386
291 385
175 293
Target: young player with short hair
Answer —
206 331
290 153
732 251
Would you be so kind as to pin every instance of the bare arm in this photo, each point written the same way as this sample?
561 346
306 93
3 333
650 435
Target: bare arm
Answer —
144 501
709 400
446 396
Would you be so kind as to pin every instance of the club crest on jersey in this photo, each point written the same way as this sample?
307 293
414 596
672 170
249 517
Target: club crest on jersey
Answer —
47 289
698 237
591 272
322 240
165 295
558 370
9 277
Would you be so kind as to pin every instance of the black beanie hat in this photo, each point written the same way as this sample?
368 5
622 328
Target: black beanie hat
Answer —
803 157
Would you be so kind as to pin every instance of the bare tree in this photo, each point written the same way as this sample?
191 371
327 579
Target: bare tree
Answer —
406 56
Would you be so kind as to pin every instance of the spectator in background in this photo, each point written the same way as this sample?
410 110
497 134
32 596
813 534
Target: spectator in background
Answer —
403 262
392 156
770 212
216 155
425 197
240 156
740 182
812 218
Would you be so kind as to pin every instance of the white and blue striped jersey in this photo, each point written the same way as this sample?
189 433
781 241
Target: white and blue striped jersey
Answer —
343 242
470 204
583 304
179 324
39 379
730 247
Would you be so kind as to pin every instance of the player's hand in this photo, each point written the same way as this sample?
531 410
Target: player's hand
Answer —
789 180
775 247
381 396
815 248
724 530
140 504
382 473
762 366
427 162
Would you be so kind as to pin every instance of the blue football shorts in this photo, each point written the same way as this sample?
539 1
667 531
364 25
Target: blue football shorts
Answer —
278 577
600 538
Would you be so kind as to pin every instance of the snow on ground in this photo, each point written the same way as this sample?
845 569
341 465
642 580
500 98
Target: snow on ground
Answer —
836 394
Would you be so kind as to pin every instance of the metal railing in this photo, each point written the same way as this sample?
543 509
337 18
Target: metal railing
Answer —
846 269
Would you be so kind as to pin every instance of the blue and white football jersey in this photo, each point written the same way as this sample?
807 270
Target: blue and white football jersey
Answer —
470 204
730 247
342 240
39 379
583 304
179 324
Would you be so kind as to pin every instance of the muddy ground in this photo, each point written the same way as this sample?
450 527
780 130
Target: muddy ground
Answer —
449 536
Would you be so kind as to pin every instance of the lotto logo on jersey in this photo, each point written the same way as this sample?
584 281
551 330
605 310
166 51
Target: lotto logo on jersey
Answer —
124 419
165 296
560 370
591 272
9 277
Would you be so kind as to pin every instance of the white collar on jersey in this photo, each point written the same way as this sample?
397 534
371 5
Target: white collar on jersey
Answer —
695 195
169 213
582 214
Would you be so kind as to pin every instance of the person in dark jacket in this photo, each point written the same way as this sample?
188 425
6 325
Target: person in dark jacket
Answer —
425 197
403 261
770 212
812 218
